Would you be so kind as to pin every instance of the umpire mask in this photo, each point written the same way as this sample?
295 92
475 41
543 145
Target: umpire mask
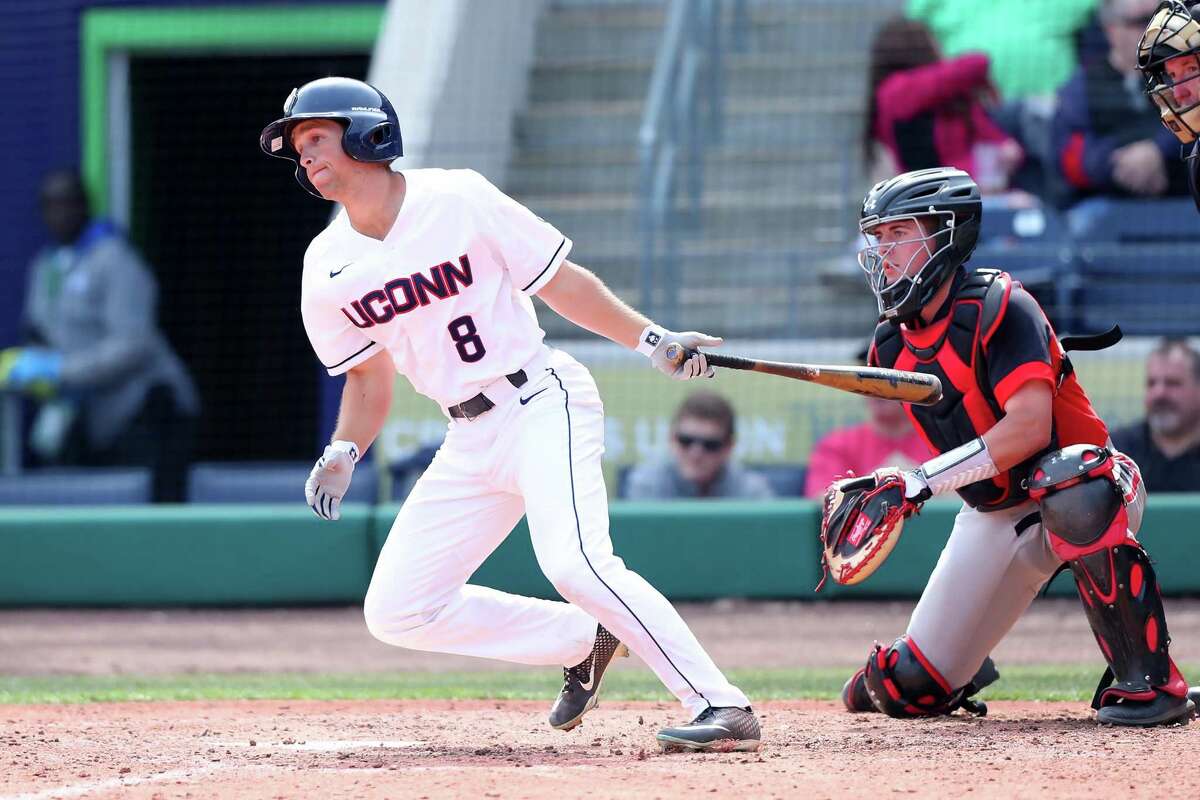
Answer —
1169 60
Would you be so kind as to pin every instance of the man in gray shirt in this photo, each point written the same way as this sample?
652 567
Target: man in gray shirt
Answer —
112 391
701 465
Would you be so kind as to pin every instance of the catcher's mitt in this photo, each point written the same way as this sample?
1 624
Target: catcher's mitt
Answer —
861 524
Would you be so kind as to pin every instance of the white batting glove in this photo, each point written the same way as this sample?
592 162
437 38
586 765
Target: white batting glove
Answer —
330 479
654 343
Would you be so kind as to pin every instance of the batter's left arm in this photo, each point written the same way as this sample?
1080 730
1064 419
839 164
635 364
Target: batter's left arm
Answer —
366 400
578 295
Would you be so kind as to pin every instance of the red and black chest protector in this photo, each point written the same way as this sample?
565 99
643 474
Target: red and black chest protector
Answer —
954 349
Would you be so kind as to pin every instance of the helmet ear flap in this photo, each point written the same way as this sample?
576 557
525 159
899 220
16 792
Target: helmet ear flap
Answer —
380 134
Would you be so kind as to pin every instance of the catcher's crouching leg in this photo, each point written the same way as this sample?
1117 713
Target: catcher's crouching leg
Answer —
1084 513
900 682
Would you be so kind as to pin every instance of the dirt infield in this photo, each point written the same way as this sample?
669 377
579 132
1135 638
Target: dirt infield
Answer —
738 634
505 750
488 749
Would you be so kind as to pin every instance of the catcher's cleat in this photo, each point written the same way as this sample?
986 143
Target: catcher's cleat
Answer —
719 730
1194 695
1164 709
976 708
581 683
855 695
986 676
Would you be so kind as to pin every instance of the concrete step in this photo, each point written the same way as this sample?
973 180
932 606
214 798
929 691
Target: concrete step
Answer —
753 121
767 175
737 264
748 311
610 223
791 75
630 30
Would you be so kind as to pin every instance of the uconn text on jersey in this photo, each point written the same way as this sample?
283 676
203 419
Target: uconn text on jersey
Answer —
402 295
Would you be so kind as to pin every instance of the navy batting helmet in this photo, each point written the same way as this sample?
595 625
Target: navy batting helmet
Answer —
947 201
371 131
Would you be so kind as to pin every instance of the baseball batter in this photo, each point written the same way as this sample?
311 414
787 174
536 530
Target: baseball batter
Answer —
429 273
1019 440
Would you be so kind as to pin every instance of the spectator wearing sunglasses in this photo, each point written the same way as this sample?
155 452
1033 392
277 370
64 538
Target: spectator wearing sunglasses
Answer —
701 464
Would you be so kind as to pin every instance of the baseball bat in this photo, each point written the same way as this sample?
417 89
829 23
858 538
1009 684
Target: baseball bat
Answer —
889 384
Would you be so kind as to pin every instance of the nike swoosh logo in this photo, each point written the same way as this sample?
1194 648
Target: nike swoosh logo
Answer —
717 728
525 400
591 681
333 274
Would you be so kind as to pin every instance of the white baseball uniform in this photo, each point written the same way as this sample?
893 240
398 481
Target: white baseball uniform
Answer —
447 293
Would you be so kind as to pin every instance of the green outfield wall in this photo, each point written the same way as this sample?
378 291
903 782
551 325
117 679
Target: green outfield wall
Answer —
283 555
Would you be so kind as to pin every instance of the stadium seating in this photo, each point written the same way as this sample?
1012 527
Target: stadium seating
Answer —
269 482
1002 225
1136 220
1049 270
787 480
76 487
406 470
1148 289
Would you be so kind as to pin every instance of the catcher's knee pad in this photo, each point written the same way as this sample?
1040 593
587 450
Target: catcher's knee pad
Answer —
1083 512
1082 502
902 683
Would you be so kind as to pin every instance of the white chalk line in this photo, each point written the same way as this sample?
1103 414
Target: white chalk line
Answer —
80 789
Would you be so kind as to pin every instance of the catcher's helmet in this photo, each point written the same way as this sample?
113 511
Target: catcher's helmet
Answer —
945 196
371 131
1173 31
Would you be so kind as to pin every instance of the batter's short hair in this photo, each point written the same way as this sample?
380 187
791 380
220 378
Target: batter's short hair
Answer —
708 406
1168 344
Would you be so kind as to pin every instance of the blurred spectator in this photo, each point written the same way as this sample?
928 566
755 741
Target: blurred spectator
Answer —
926 111
1107 136
702 439
1166 444
110 389
1031 43
887 438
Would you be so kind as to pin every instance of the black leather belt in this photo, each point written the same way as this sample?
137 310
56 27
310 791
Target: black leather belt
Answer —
479 404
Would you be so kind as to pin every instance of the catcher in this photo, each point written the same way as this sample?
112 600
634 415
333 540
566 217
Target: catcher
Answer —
1169 59
1018 439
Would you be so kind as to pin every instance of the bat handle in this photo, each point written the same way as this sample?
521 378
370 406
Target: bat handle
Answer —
677 354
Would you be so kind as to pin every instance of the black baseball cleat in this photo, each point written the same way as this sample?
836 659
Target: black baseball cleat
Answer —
581 683
1194 695
855 695
716 730
1165 709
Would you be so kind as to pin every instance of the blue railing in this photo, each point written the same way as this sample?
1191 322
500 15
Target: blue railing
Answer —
682 116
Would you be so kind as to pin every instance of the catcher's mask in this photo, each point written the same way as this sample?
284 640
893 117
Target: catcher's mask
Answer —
947 201
1169 59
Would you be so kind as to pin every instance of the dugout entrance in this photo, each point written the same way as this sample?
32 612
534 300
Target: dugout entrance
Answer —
173 99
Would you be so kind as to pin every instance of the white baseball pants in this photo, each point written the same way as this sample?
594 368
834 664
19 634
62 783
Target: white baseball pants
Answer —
540 458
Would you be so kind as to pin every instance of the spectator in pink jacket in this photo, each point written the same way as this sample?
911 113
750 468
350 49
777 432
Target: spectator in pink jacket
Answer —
886 438
927 111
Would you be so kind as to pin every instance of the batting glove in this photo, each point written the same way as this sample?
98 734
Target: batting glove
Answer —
330 479
655 341
22 367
